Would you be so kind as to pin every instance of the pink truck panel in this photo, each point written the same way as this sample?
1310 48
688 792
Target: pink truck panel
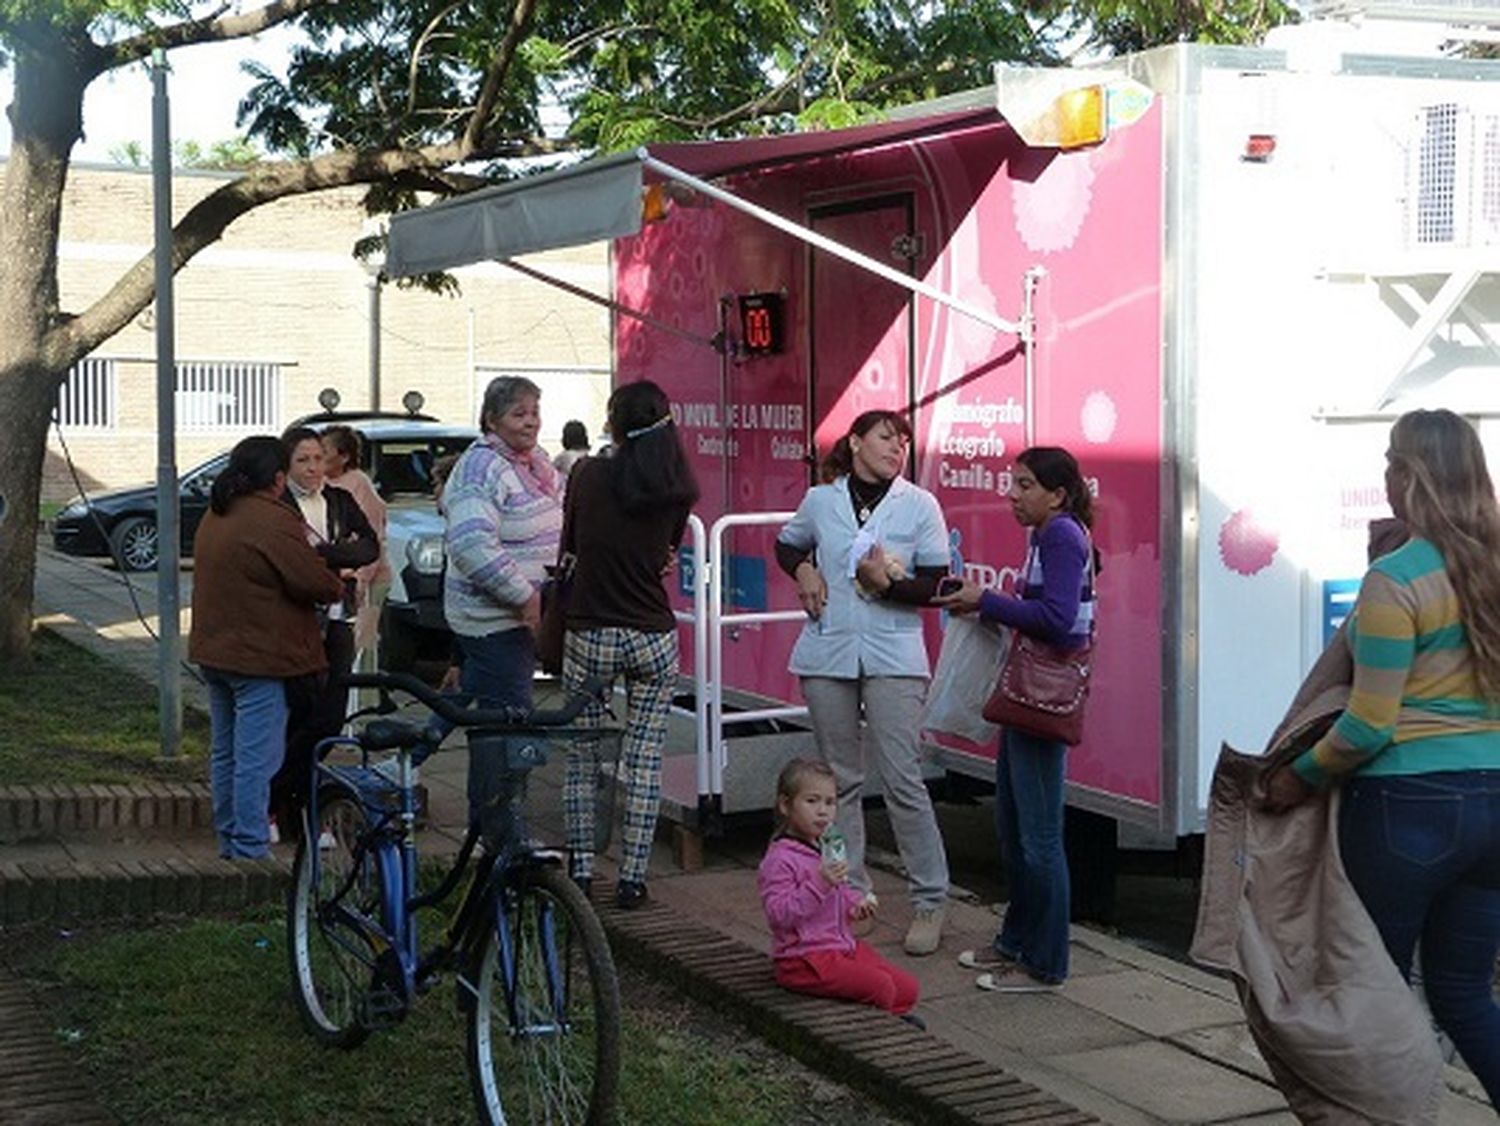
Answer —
978 209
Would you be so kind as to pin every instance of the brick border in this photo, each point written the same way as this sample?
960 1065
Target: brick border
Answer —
135 889
911 1071
152 809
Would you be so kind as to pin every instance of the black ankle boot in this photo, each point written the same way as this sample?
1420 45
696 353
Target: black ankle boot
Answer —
630 894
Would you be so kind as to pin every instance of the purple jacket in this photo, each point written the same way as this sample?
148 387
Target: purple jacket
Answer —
806 913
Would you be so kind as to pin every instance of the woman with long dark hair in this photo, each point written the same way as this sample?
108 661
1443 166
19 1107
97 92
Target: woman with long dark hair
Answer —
256 585
1050 498
866 549
1417 748
625 518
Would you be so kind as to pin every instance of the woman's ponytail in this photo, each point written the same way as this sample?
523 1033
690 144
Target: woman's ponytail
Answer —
253 465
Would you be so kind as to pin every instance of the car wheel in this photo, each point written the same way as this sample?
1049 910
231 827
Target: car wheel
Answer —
134 543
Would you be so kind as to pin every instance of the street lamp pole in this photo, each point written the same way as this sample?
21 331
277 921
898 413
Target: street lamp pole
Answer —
374 284
168 595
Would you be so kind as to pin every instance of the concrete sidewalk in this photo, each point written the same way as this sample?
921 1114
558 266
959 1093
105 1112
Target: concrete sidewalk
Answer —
1132 1038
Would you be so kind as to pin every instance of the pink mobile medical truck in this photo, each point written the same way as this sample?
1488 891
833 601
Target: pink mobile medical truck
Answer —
1215 274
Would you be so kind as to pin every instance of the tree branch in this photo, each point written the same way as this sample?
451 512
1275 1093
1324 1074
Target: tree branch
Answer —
416 53
212 28
72 337
494 75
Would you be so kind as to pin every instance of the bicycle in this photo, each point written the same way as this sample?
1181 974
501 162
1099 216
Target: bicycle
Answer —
536 979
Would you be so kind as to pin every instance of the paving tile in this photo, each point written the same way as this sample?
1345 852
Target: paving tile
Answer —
1036 1025
1169 1084
1455 1110
1152 1004
1227 1044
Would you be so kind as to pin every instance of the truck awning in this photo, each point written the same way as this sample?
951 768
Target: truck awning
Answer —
601 198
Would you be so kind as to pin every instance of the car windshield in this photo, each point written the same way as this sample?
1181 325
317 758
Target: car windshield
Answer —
404 467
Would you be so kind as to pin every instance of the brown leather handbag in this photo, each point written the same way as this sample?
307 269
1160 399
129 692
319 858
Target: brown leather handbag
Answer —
1042 690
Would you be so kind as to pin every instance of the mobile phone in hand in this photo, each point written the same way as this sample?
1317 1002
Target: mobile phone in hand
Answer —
949 584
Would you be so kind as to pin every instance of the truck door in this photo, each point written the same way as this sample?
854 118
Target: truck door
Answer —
861 325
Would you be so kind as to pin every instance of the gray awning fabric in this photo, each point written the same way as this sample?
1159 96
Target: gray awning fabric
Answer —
601 198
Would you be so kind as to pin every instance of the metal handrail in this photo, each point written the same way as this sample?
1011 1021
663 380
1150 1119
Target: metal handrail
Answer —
712 755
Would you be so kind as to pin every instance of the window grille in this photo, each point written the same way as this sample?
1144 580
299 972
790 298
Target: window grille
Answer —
86 399
228 395
1455 197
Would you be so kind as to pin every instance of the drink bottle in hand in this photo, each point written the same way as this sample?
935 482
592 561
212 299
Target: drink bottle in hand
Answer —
835 848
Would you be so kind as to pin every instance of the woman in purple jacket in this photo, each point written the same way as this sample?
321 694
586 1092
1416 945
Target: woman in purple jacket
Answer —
1048 496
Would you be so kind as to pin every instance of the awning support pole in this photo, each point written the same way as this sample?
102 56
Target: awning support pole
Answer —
1029 283
613 306
838 250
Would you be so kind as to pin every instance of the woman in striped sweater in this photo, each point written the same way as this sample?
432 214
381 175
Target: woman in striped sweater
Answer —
503 503
1417 749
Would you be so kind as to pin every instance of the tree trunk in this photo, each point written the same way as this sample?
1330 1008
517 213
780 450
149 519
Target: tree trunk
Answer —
46 119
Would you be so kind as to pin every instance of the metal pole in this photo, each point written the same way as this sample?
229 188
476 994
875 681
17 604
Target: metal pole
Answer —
374 281
168 538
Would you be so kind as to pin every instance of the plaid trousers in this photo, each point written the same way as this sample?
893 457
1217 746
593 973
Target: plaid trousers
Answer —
648 662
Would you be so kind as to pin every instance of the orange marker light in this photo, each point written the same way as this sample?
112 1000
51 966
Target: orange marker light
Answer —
1082 117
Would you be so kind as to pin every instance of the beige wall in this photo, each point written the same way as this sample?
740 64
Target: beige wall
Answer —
282 287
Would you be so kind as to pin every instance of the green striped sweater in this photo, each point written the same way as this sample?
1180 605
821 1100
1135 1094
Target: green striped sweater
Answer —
1415 707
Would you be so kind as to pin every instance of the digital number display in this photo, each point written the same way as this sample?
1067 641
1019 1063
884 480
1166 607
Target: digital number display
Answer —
762 324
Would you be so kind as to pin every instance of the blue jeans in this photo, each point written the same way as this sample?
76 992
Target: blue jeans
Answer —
1029 824
1423 852
497 673
248 716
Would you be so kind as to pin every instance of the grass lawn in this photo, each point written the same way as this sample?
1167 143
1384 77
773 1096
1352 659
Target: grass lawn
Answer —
73 717
193 1022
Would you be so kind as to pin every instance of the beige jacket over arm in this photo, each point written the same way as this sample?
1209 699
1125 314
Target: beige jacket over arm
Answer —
1344 1036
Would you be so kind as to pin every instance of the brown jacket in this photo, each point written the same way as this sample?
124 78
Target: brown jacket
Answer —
255 585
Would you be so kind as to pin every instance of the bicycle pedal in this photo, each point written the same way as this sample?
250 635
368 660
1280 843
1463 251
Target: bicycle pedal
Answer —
382 1008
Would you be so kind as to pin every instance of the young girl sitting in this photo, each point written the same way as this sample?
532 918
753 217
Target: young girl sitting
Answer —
809 903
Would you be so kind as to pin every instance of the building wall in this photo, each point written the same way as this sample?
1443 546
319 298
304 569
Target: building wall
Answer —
282 287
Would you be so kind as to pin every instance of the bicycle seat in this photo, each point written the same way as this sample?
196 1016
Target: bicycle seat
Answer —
389 734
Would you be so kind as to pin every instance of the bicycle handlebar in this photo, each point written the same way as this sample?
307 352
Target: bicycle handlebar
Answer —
593 689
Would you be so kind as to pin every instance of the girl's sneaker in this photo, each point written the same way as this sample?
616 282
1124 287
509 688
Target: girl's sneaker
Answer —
1015 979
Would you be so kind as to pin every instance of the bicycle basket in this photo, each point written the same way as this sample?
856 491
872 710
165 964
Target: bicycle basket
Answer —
522 784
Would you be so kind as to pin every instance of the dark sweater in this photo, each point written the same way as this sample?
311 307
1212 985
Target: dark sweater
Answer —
618 579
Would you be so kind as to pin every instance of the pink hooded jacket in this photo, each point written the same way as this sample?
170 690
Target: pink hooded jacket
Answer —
806 913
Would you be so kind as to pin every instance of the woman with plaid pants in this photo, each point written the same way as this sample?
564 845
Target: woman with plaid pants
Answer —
624 518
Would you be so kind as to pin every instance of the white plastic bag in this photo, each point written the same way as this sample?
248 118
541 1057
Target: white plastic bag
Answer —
967 669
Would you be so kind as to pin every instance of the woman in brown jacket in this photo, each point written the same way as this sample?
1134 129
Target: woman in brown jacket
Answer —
256 583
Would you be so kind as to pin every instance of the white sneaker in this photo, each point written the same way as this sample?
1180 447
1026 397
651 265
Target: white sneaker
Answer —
1015 979
926 931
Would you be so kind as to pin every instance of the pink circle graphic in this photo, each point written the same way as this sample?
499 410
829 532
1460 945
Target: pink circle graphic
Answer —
1245 545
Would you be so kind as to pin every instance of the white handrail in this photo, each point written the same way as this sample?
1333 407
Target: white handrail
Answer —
717 573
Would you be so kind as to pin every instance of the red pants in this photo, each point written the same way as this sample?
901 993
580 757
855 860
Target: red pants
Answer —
861 975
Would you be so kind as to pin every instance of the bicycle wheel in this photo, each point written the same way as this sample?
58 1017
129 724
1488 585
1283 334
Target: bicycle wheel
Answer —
332 924
544 1028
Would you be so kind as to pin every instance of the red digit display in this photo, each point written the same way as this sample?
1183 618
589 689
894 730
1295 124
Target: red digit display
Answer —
761 324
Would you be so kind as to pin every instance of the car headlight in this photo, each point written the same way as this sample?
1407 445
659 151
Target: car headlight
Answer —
75 509
426 554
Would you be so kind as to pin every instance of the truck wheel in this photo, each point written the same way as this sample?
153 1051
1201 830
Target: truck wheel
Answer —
398 646
134 543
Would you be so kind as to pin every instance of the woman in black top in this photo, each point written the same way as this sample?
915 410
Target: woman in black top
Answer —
338 530
624 518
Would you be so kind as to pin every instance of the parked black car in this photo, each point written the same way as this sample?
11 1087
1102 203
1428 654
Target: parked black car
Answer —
399 450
